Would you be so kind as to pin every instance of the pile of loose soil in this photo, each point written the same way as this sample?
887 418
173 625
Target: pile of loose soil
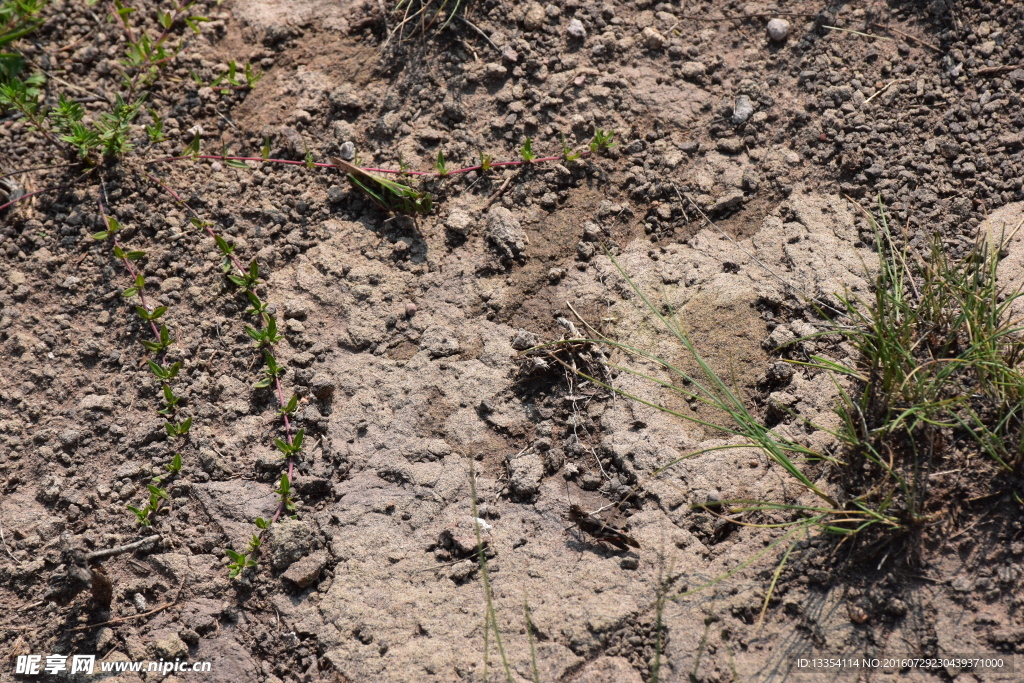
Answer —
403 337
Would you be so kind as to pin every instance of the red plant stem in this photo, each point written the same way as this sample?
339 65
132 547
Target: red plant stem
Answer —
318 164
127 29
209 231
142 297
277 381
131 269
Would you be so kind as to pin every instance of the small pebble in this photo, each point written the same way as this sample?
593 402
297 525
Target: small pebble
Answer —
652 39
778 29
348 151
742 110
216 167
410 309
576 30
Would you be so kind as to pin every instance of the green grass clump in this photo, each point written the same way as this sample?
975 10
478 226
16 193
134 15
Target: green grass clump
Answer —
934 383
937 376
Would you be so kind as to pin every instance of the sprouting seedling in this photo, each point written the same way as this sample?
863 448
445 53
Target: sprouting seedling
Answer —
113 227
290 407
267 336
155 133
526 151
171 401
164 373
226 250
163 341
230 77
150 316
193 148
601 140
133 255
440 164
239 562
175 466
265 150
284 490
485 162
140 283
291 449
272 371
308 158
257 307
568 154
250 279
387 194
144 515
178 429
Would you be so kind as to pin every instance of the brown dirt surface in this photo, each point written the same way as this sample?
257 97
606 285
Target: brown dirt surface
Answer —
404 339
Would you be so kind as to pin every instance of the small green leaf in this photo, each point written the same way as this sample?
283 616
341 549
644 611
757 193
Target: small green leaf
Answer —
175 465
118 252
262 523
100 235
134 255
235 163
130 292
237 558
157 369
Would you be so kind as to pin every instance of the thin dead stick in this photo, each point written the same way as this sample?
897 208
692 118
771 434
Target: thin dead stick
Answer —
885 87
996 70
905 35
497 194
856 33
483 35
150 613
110 552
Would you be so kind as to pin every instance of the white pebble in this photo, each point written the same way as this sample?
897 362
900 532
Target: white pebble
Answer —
778 29
215 167
742 110
576 30
348 151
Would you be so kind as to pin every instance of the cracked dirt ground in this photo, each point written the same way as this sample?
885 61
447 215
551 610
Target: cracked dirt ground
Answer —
404 340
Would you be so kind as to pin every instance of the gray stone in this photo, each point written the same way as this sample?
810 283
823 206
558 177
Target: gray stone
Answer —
525 473
692 70
459 221
576 30
347 151
440 342
742 110
778 30
534 18
505 233
652 39
96 402
170 648
306 571
289 541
